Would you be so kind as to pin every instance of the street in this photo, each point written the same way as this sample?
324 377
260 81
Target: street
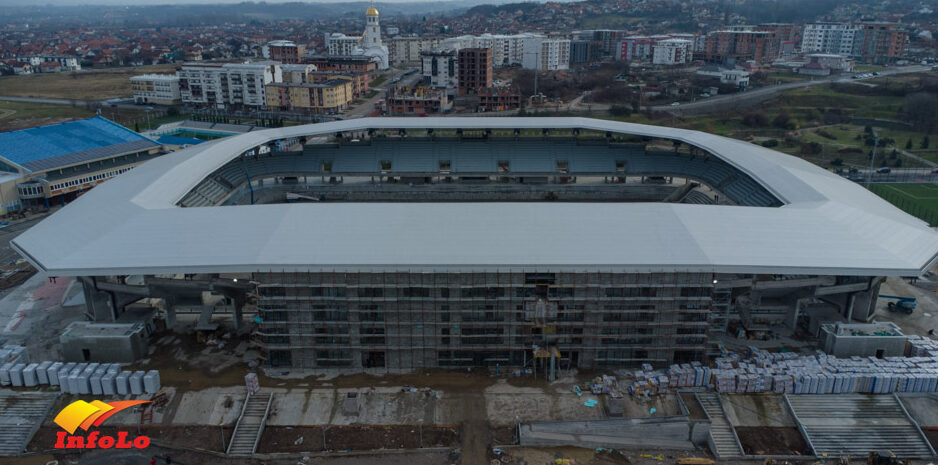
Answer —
751 97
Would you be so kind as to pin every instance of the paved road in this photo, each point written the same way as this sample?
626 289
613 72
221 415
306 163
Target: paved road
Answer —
8 233
754 96
368 106
67 101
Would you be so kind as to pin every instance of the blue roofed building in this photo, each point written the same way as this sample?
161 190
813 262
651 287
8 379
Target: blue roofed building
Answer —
56 163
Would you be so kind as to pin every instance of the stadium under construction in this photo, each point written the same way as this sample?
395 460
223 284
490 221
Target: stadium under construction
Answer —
397 243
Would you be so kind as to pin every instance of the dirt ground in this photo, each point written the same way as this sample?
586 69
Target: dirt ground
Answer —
287 439
932 436
693 407
768 440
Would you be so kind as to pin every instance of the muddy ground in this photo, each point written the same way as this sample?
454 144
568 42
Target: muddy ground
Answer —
768 440
343 438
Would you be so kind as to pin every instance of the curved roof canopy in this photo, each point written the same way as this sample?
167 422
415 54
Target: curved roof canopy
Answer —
827 225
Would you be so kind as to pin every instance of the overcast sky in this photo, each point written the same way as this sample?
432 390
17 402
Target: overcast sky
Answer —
201 2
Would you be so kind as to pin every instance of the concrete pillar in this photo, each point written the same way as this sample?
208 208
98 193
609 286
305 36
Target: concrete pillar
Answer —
169 306
99 305
237 306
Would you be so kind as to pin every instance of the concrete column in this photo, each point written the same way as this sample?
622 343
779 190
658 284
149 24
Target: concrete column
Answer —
169 305
237 305
99 305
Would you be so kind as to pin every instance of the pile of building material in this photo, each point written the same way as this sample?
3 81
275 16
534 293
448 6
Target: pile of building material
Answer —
13 354
786 372
650 381
81 378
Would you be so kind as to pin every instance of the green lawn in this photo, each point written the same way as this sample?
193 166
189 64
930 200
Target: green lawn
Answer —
920 200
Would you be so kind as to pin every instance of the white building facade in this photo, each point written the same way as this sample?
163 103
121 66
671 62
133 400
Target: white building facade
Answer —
440 69
672 52
232 84
341 44
833 38
545 54
161 89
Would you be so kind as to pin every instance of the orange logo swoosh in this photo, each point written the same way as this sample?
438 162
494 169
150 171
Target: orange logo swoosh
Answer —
81 414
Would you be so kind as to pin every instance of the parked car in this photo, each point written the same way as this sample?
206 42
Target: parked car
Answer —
884 170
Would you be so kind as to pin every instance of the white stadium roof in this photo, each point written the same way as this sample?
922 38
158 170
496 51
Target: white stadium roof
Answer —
827 225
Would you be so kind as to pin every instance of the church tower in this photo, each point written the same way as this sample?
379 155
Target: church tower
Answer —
372 36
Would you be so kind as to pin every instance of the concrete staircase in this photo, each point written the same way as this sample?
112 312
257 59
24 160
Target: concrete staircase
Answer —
722 436
855 424
21 414
250 425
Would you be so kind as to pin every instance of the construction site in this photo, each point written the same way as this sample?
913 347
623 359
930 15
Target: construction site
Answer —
477 291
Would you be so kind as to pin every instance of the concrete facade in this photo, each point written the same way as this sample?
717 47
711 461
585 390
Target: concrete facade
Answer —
84 341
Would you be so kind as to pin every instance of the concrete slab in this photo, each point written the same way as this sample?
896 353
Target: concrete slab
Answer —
923 408
210 406
757 410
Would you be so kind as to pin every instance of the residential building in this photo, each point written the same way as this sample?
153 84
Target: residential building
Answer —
673 52
341 44
833 38
879 42
474 69
607 39
329 97
440 70
62 63
731 76
297 73
642 48
228 85
343 63
787 34
546 54
741 44
360 81
405 51
18 67
581 51
498 99
160 89
418 101
285 51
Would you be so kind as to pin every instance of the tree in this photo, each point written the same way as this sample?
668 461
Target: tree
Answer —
908 144
925 142
136 126
782 120
620 110
755 119
919 110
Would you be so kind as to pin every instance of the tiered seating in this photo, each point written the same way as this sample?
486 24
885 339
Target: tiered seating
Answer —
474 158
534 156
697 198
412 157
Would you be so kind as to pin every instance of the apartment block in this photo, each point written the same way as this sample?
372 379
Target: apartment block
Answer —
474 69
161 89
406 50
231 84
741 44
546 54
879 42
440 70
329 97
285 51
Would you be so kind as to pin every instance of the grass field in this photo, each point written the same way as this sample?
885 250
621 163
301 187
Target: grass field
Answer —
93 84
919 200
19 115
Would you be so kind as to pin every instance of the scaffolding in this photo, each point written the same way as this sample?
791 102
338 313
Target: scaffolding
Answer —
407 320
